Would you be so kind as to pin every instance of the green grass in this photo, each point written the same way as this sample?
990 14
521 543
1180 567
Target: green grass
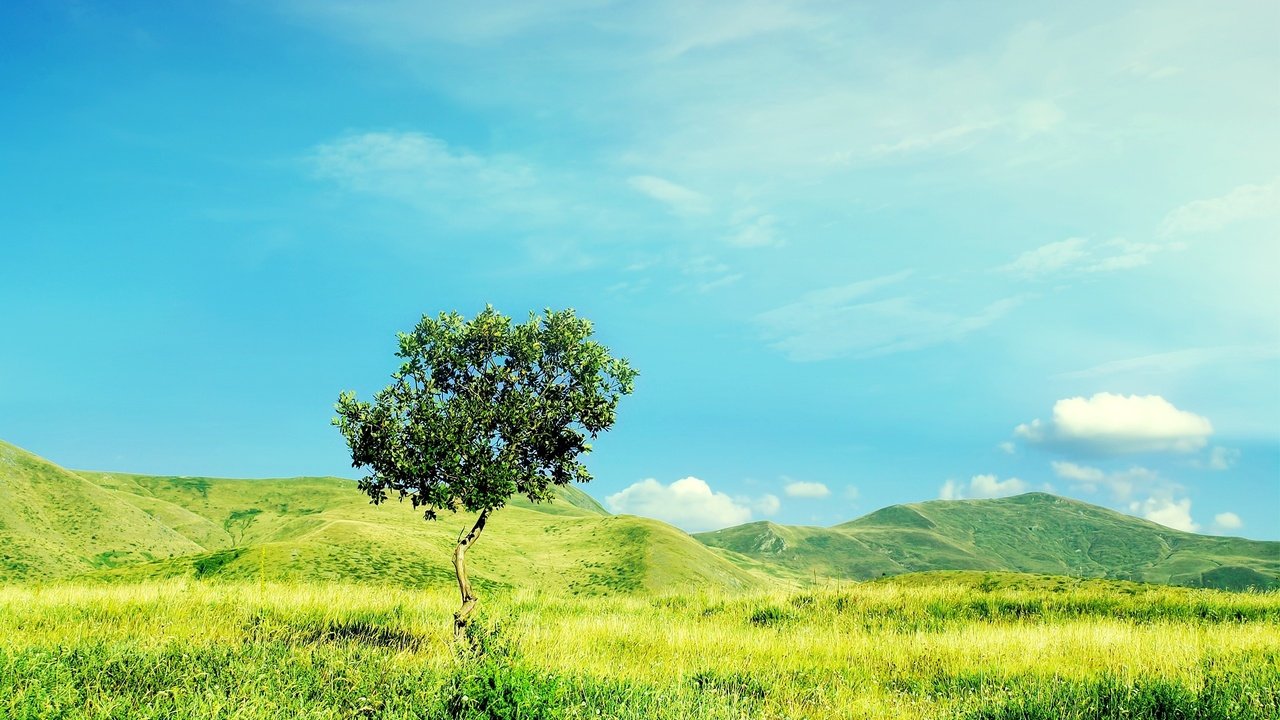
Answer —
917 647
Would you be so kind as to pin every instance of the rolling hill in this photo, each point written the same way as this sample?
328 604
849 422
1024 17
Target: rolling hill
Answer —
54 522
1033 533
58 523
102 526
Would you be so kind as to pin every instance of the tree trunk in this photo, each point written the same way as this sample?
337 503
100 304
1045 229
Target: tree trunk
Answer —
469 599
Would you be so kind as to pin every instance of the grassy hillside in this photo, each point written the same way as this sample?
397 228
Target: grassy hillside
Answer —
324 529
1035 532
122 527
55 523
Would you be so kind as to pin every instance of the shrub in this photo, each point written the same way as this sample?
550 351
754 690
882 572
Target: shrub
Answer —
488 690
770 616
210 564
489 682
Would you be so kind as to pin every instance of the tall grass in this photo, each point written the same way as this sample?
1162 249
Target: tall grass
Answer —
196 649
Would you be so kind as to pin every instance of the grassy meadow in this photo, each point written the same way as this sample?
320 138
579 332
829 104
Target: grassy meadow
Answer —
133 596
943 645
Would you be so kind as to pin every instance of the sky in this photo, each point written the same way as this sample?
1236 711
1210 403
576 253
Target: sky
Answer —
861 253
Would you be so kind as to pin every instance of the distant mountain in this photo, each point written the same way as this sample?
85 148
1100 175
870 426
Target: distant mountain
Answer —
1035 533
57 523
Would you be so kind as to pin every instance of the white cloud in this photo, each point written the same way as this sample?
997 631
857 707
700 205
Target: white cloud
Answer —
1142 491
1114 424
767 505
982 486
800 489
1082 256
680 199
950 490
423 171
1227 521
1122 483
1008 448
848 321
757 231
1243 203
688 503
1078 473
989 486
1166 511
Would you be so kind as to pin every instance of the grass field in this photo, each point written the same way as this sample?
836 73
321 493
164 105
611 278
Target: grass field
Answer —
132 596
950 645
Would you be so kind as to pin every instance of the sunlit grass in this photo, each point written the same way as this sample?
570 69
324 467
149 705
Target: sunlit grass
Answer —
187 648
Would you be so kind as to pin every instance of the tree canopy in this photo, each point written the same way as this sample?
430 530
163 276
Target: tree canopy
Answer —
481 410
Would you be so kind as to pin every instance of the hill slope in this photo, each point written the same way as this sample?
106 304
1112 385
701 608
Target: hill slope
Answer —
1035 532
124 526
54 523
113 526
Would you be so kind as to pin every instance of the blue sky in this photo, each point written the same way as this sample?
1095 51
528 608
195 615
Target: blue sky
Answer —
861 254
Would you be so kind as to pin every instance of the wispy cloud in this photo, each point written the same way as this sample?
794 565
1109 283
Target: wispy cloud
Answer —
1121 484
952 137
1178 361
1050 258
1083 256
678 198
1222 458
719 282
750 229
427 173
697 26
1245 202
854 320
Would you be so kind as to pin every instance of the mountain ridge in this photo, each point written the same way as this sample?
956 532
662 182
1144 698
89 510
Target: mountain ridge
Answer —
1033 532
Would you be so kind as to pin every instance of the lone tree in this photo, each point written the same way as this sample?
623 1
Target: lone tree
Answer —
481 410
